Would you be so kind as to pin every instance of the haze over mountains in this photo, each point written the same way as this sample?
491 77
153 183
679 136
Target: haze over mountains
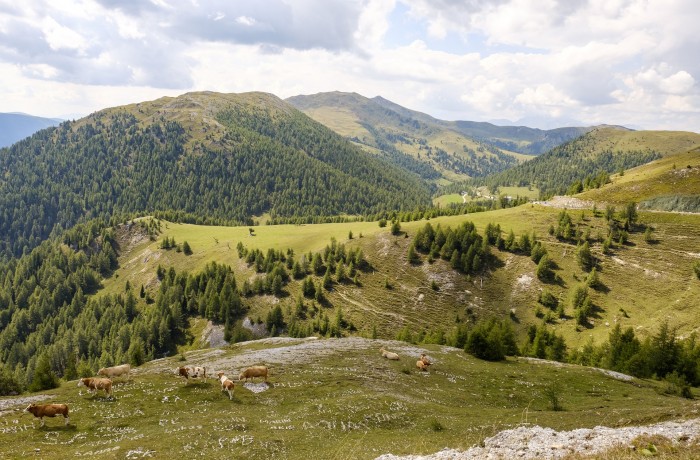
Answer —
17 126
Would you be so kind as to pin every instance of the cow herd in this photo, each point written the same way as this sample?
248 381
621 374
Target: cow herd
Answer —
104 383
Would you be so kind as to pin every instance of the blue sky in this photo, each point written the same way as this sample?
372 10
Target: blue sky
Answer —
543 63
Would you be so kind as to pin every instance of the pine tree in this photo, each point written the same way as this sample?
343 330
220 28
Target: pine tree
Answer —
44 377
340 272
327 281
413 256
584 257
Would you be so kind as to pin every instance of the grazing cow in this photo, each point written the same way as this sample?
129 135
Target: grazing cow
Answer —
48 410
421 365
96 383
226 384
115 371
389 355
192 372
252 372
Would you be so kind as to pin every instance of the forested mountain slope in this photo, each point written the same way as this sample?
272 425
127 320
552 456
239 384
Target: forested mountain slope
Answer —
211 157
589 160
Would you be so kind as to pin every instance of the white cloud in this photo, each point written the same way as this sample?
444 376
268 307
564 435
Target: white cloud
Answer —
59 37
43 71
244 20
373 23
612 61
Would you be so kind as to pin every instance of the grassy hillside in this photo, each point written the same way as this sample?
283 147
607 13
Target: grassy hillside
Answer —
427 297
382 126
204 157
657 185
334 398
593 156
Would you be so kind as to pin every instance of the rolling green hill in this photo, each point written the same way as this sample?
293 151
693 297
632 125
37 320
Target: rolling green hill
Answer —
204 157
668 184
510 288
590 158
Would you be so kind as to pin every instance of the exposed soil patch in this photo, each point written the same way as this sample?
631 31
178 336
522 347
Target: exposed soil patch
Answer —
567 202
213 335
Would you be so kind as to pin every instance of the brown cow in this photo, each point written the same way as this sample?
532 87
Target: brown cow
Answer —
421 365
48 410
425 359
226 384
192 372
95 383
253 371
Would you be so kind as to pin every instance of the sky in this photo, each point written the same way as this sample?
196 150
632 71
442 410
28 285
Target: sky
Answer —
540 63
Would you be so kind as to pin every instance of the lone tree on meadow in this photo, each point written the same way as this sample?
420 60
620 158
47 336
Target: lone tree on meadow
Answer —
585 258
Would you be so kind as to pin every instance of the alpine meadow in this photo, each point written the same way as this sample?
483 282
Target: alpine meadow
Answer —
336 276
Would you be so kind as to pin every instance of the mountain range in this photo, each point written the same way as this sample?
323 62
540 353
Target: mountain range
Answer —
456 149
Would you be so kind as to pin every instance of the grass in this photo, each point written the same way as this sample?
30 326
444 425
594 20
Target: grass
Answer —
330 399
643 284
667 143
669 176
445 200
530 192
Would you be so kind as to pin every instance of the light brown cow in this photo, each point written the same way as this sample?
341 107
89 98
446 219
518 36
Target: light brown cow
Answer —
48 410
421 365
389 355
226 384
115 371
192 372
252 372
96 383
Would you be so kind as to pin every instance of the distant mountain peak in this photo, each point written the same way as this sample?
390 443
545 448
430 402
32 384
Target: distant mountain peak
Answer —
15 126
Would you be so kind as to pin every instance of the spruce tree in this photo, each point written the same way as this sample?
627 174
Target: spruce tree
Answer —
44 377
